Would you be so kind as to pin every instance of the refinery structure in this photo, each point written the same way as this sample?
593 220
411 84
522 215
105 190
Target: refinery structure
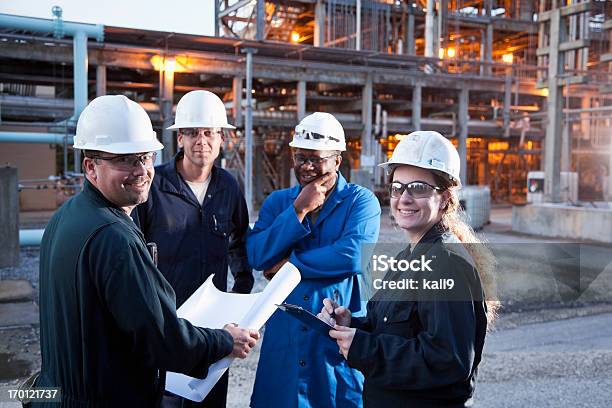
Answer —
522 88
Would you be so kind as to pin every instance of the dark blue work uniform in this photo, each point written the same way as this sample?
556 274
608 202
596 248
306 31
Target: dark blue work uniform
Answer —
195 241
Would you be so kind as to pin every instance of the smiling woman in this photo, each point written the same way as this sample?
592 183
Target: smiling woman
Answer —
423 348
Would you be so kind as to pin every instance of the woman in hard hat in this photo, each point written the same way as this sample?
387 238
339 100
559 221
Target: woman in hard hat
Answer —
420 346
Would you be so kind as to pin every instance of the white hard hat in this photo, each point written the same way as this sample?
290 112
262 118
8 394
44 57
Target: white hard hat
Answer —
200 109
319 131
115 124
427 150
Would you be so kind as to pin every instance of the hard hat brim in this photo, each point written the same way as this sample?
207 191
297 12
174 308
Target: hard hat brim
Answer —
124 148
391 165
309 146
200 125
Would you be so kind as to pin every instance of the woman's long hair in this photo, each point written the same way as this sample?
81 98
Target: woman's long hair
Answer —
453 219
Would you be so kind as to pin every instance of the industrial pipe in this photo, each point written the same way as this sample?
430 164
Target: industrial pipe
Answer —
248 131
33 137
43 25
30 237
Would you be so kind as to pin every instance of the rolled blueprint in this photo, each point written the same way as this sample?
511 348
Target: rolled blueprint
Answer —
209 307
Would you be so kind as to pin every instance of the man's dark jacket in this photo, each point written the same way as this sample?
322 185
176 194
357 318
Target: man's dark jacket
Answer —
195 241
108 323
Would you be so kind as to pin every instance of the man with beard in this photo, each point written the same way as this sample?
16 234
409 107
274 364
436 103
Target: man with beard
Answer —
319 226
108 323
197 215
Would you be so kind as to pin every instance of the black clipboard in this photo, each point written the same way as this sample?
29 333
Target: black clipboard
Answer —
307 318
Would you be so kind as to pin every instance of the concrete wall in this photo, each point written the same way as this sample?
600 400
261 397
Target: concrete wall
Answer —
34 161
558 220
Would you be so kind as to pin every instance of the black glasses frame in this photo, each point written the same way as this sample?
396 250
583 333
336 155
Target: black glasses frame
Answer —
146 159
405 187
315 161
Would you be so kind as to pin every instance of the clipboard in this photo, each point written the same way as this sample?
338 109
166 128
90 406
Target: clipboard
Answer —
307 318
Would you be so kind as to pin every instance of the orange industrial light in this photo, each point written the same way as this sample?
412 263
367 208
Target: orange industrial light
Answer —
449 52
295 37
508 58
170 64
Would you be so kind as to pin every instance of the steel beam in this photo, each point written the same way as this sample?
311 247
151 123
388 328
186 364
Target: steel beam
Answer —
463 117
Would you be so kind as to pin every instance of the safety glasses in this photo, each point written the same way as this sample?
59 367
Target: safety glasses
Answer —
416 189
199 132
315 161
127 162
307 135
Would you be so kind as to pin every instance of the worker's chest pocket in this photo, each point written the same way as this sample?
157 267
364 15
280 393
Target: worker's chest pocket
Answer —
220 233
401 319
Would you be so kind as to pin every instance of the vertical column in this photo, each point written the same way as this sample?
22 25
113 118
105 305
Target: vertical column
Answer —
410 49
248 132
261 20
80 84
358 25
319 28
301 100
9 218
366 118
552 153
488 44
463 117
258 181
237 105
217 31
166 75
429 29
416 106
365 175
507 103
100 80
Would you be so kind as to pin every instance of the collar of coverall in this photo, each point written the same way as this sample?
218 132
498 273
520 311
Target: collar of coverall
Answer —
170 181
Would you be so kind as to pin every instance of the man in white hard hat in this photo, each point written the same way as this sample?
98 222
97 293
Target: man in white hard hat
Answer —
319 226
196 212
108 323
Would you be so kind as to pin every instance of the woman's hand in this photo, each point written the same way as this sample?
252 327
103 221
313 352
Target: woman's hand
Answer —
333 314
344 337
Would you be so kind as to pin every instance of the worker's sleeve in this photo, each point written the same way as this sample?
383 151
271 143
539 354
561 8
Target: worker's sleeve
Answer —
274 234
363 323
441 354
343 258
143 307
238 261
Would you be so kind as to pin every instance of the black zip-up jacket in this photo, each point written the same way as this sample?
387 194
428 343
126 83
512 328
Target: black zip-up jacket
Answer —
421 348
195 241
108 324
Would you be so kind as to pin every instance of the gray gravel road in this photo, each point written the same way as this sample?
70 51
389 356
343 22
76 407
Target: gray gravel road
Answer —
564 363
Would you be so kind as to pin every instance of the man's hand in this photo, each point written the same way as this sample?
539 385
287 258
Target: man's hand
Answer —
244 339
344 337
313 194
269 273
333 314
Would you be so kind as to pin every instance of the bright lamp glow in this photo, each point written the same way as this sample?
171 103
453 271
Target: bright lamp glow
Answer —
508 58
